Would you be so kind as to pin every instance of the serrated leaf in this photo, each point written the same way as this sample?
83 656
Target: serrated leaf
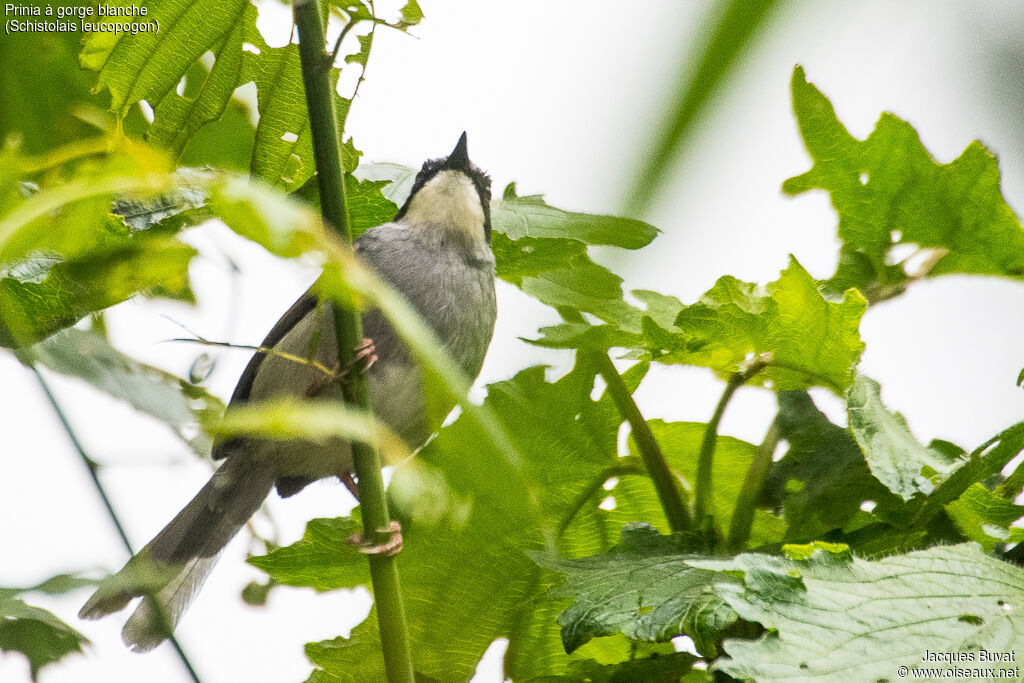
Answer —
822 480
811 341
859 620
168 398
642 588
889 191
52 275
894 456
149 66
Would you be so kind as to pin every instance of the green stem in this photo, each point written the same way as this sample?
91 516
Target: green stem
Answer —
743 513
706 458
595 485
320 101
92 468
650 452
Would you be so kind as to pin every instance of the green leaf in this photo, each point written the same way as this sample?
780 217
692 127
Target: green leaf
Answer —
889 191
52 275
36 633
680 443
367 207
42 294
642 588
822 480
411 13
149 66
811 341
835 618
985 518
354 659
986 460
272 220
658 668
894 456
43 93
519 217
181 406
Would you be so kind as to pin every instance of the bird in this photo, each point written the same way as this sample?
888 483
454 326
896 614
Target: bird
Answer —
437 253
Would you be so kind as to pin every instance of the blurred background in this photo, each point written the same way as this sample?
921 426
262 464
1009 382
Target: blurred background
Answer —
570 99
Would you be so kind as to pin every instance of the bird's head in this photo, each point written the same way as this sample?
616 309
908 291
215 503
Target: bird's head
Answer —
450 194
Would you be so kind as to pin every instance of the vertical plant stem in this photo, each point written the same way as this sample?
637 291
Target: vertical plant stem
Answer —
706 458
91 467
320 101
743 513
650 452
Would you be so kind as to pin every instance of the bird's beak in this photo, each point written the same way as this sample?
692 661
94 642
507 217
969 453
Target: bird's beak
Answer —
459 158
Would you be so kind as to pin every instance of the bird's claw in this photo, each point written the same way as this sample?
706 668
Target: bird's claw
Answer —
364 358
366 355
391 547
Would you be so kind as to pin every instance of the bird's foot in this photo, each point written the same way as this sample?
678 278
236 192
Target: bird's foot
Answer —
364 358
366 355
391 547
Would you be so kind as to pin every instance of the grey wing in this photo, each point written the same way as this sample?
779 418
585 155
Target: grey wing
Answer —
299 310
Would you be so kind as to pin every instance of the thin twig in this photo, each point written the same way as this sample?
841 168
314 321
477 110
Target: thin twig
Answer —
92 468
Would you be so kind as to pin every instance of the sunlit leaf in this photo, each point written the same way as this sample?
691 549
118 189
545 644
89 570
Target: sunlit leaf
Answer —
889 192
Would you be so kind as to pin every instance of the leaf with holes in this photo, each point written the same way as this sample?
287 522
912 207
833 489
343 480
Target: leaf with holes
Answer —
643 588
836 617
889 192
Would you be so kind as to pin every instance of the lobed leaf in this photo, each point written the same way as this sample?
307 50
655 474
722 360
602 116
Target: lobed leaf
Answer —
889 192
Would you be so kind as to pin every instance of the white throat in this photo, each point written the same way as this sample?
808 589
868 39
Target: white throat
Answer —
449 201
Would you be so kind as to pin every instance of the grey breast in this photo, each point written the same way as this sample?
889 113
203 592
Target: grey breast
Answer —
452 288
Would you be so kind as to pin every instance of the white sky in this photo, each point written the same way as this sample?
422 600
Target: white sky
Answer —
560 97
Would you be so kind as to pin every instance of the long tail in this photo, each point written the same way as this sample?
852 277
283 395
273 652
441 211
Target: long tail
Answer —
172 567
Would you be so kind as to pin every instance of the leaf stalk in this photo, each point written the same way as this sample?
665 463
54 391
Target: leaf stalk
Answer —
706 458
661 476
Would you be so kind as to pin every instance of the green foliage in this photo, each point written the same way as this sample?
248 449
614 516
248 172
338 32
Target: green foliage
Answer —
889 191
643 588
35 632
524 518
732 322
893 455
834 617
63 255
88 356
